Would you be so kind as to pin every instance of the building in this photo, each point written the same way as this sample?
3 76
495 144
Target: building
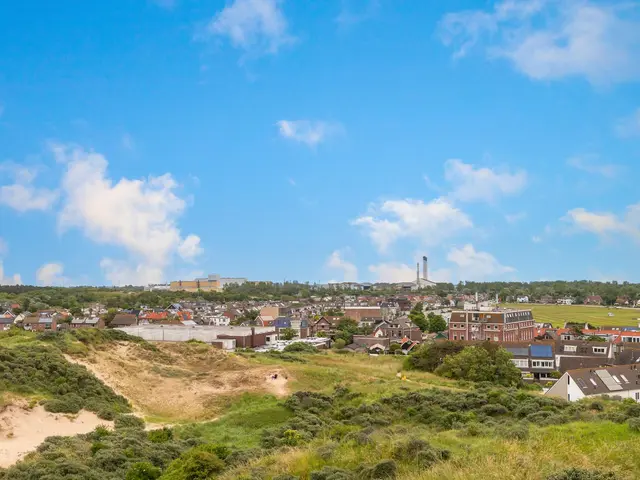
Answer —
398 329
123 320
495 326
212 283
158 287
358 313
619 381
93 322
536 362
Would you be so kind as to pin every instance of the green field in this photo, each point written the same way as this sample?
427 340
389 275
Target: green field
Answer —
558 315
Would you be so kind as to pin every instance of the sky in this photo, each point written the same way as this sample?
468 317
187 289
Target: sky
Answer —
143 141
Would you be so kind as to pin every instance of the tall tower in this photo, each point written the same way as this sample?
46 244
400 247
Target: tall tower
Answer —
418 274
425 271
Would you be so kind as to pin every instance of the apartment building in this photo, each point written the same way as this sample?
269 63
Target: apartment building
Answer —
495 326
212 283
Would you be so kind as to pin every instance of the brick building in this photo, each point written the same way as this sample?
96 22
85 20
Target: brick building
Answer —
499 326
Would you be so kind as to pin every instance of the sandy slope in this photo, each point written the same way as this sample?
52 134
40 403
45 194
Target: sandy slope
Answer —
182 382
22 430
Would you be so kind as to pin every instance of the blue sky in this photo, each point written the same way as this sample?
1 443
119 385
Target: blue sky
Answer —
144 141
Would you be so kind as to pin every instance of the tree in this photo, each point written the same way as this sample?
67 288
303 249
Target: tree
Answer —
418 318
339 344
346 329
395 348
479 364
430 356
110 315
436 323
288 334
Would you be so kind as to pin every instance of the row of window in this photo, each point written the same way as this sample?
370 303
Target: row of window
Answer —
574 348
524 363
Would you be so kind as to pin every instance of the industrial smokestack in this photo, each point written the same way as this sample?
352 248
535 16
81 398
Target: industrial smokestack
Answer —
418 274
425 271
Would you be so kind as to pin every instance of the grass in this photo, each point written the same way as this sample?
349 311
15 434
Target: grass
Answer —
243 422
558 315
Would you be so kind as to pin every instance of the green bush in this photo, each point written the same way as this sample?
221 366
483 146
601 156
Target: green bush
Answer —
386 469
300 347
128 421
143 471
161 435
634 424
199 463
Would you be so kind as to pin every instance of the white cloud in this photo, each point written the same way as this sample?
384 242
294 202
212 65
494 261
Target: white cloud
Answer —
50 274
252 25
604 224
349 270
515 217
190 247
592 164
393 273
139 215
349 16
481 184
21 194
536 239
629 126
473 265
430 222
14 279
309 132
549 40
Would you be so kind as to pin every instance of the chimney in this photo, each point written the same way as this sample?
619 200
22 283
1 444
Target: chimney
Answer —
418 274
425 271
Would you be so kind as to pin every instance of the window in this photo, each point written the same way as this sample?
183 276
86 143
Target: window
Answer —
520 362
616 379
570 348
637 396
599 349
542 363
624 378
594 382
461 337
455 337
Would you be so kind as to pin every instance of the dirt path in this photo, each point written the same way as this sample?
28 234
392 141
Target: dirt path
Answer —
22 430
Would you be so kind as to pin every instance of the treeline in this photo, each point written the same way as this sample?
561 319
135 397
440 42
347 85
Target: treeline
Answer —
38 298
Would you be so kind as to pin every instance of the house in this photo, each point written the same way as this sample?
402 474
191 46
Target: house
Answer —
536 361
574 354
618 381
593 300
358 313
152 317
565 301
325 324
123 320
398 329
93 322
6 322
264 321
622 301
522 299
45 324
370 344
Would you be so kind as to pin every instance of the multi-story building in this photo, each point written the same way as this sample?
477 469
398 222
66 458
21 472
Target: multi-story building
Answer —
212 283
495 326
358 313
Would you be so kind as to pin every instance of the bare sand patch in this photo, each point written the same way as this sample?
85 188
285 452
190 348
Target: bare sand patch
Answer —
180 382
23 429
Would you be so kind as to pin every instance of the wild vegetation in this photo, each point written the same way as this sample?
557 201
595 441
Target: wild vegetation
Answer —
349 417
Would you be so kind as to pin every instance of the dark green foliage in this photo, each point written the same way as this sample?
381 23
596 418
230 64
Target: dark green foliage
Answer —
300 347
418 317
160 435
421 452
384 470
481 364
428 357
199 463
581 474
34 369
634 424
143 471
128 421
436 323
288 334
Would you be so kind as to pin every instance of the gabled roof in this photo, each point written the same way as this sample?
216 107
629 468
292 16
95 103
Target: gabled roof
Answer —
609 380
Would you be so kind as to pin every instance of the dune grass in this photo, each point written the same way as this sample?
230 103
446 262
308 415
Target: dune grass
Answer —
558 315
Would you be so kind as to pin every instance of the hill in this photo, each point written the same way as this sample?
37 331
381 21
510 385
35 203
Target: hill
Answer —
345 416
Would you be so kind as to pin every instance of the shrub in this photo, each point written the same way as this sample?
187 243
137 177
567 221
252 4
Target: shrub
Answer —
634 424
160 435
300 347
386 469
330 473
339 344
196 464
421 452
128 421
143 471
581 474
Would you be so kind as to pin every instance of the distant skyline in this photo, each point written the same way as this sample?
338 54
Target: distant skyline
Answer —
143 142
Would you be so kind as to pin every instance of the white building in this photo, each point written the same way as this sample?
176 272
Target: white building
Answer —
618 381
